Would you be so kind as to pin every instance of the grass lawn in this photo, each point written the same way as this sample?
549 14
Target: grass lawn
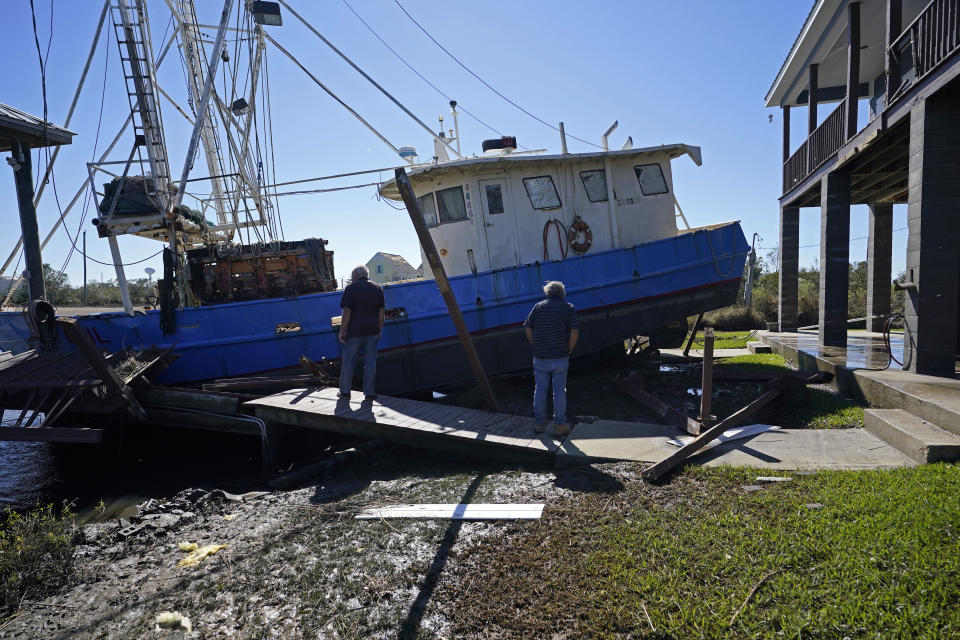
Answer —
726 339
825 410
866 554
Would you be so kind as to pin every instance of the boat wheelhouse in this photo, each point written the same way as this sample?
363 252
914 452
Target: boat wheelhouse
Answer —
508 210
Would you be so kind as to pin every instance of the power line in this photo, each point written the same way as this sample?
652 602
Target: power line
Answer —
487 84
817 244
409 66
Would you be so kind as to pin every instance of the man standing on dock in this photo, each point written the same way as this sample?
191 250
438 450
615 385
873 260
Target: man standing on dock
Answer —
360 329
551 329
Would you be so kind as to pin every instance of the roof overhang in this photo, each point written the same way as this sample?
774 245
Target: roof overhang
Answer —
826 20
423 172
30 130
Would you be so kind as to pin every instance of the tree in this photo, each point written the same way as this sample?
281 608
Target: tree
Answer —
57 285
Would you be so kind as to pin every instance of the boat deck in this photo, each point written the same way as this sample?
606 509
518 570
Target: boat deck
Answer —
425 424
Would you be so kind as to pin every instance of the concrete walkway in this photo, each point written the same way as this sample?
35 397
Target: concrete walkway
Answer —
608 440
698 353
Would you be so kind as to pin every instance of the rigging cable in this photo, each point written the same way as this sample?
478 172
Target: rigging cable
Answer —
485 83
399 57
399 104
333 95
93 156
273 159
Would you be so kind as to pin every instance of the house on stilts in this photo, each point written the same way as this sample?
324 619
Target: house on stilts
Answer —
889 71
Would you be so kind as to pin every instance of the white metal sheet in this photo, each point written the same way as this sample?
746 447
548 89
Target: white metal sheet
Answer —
455 511
726 436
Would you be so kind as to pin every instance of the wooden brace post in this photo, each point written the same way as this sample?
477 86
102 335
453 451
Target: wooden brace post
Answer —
100 366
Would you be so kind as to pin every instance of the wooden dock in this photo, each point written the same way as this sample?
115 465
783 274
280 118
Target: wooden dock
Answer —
423 424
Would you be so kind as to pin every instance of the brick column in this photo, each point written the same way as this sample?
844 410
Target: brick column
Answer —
834 257
879 250
789 262
933 247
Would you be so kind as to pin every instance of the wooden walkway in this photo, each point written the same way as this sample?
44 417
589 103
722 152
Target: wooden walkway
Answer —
424 424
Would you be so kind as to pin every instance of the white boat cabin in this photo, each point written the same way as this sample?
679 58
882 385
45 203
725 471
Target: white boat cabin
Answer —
492 212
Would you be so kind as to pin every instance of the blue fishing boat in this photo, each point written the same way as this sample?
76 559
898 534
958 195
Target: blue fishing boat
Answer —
607 224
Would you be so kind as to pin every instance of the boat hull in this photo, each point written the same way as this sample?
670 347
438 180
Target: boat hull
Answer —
617 293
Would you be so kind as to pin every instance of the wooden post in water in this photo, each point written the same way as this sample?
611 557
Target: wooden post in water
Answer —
706 388
433 257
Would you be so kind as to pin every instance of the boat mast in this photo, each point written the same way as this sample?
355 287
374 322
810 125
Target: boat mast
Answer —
192 49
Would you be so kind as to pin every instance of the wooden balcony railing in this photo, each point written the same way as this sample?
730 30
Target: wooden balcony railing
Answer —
929 40
822 144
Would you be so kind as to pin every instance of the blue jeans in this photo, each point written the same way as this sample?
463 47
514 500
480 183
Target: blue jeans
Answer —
351 354
545 371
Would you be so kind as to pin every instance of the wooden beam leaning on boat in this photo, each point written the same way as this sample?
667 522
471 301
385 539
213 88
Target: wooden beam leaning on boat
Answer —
99 364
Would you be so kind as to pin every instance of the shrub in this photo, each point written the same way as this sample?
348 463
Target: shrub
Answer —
36 554
734 319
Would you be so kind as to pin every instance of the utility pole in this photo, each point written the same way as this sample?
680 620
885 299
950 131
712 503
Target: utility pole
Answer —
84 267
23 176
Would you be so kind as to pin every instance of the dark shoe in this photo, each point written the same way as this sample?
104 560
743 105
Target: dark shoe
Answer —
370 398
561 430
540 427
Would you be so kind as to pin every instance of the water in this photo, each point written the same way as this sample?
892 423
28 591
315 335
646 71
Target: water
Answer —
152 462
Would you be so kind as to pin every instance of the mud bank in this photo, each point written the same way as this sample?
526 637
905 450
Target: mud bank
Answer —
295 563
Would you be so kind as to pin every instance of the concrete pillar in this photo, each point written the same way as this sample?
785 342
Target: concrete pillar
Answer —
853 67
879 250
933 246
834 257
789 263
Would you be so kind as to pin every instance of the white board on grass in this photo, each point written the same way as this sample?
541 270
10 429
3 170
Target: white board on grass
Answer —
456 511
729 434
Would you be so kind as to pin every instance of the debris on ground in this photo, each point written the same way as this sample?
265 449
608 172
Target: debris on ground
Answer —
173 620
196 553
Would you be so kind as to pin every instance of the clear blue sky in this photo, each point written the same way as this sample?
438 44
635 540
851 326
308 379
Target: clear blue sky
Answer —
692 71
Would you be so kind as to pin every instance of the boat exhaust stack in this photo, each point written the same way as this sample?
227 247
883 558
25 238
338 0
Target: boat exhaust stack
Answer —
563 140
606 145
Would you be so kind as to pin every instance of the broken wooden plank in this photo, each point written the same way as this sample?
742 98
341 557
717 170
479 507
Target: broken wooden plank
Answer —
455 511
443 284
667 413
693 334
657 470
100 366
51 434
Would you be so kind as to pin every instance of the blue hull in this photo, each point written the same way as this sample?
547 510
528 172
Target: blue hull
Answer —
617 293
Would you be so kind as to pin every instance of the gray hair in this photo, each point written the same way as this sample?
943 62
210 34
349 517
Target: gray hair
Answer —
555 289
358 272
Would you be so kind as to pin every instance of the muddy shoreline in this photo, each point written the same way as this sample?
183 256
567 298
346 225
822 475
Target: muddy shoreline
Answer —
296 563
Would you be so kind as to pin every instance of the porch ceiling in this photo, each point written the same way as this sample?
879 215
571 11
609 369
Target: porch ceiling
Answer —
823 41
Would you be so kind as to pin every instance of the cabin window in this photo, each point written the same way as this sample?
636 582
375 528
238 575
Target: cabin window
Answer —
651 179
451 205
542 192
494 198
429 209
379 268
595 184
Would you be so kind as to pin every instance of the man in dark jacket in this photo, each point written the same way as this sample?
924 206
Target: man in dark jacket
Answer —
551 329
360 328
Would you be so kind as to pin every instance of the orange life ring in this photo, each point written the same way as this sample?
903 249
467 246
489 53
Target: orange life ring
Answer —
578 227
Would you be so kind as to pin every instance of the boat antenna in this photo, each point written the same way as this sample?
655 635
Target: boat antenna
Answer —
563 139
456 124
